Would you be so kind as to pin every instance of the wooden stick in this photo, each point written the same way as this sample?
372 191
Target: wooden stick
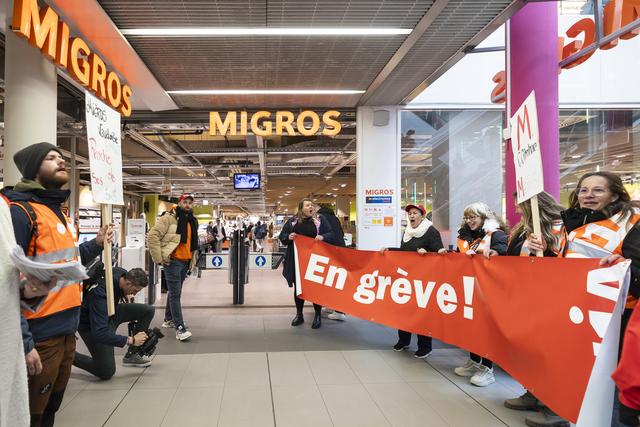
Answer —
108 263
535 216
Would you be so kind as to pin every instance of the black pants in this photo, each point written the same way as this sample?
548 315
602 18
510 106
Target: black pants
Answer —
424 343
486 362
102 362
300 305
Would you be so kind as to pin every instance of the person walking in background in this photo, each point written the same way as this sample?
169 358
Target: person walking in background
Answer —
172 242
304 223
481 232
337 239
259 232
220 235
419 236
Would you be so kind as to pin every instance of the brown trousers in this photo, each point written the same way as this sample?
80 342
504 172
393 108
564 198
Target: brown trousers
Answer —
46 389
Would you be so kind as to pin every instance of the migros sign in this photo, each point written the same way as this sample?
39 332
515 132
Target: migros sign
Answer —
266 123
44 30
617 15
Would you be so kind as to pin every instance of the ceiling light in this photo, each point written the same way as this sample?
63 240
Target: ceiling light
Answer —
263 31
343 185
267 92
577 156
334 189
205 202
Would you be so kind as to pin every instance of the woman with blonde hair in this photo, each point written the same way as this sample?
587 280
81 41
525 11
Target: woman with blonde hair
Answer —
481 232
550 225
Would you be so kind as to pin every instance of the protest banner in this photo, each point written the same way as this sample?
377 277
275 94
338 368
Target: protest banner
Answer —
543 320
525 144
105 163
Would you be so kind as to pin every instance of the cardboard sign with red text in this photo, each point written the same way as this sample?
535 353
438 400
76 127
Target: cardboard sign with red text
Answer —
542 320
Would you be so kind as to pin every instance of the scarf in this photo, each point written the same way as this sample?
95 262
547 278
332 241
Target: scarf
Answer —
185 218
410 232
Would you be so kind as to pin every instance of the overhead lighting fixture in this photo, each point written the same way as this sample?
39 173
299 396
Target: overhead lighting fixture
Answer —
343 185
263 31
267 92
205 202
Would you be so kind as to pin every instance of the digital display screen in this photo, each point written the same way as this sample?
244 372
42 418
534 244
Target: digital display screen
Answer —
246 181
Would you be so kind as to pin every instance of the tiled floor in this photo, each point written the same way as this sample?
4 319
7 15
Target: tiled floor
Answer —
248 367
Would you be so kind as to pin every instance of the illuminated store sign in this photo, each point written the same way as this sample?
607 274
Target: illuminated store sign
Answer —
266 123
617 15
44 30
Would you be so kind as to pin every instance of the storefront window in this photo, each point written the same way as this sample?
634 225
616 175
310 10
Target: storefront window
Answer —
593 140
451 158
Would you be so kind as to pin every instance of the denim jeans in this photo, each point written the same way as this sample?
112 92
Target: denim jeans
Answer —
175 273
102 362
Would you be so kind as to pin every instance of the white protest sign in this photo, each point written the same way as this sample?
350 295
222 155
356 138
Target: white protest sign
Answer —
105 153
525 143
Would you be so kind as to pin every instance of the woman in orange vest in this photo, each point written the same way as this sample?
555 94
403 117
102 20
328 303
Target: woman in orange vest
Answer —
481 232
597 224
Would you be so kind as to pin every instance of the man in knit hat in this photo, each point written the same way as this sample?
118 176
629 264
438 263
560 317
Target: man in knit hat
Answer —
46 235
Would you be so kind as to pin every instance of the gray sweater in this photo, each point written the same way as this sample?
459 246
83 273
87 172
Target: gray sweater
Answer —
14 398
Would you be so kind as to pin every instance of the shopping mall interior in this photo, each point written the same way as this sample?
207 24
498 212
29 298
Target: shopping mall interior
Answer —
251 106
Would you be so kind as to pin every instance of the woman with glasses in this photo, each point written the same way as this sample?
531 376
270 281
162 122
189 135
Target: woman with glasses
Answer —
481 232
598 224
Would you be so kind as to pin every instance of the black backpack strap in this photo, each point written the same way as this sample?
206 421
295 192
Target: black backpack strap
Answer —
33 223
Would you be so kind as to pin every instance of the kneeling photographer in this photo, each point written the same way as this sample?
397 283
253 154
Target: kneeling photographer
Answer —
98 330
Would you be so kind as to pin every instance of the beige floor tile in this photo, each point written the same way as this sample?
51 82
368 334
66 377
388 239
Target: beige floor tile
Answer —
166 372
247 369
330 367
409 368
194 407
244 406
370 367
402 406
300 404
289 368
122 380
89 408
206 370
454 406
142 408
350 405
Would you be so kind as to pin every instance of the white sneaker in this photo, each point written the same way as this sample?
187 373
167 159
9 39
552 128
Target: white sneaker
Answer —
337 316
468 369
183 334
168 324
483 377
327 310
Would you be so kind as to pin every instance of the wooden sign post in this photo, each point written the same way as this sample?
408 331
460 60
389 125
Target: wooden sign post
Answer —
105 161
525 142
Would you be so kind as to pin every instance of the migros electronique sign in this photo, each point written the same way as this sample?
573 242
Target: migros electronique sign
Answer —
266 123
43 29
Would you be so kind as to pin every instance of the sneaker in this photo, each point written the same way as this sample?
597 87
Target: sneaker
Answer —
168 324
183 334
546 418
526 402
421 353
135 360
483 377
336 315
327 310
400 346
468 369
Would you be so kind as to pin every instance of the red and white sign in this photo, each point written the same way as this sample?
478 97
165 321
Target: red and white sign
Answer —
543 320
525 144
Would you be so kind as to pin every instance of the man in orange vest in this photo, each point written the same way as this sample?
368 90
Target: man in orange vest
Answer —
47 235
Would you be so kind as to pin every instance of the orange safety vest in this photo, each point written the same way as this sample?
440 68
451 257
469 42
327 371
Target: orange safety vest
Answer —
600 239
478 245
55 243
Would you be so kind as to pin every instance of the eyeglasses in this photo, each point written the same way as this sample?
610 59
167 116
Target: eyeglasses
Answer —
598 191
470 218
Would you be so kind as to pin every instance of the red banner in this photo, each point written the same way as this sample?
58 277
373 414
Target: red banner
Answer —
541 319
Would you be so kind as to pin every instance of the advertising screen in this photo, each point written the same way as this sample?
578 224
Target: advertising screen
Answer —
246 181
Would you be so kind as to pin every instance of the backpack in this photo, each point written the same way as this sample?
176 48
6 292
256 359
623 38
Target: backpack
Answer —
261 232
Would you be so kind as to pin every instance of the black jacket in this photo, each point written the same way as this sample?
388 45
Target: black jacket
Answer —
93 312
631 251
429 241
64 322
337 238
499 239
288 270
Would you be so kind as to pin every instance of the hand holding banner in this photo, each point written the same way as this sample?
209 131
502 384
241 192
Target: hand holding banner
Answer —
542 320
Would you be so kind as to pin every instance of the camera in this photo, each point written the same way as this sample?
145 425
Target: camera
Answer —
149 346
